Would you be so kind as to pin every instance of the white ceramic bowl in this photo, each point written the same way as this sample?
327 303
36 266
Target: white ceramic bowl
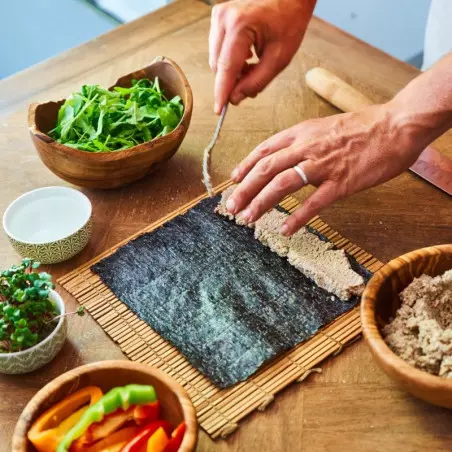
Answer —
42 353
50 224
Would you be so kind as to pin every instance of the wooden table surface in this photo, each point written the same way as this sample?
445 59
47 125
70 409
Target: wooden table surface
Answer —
352 405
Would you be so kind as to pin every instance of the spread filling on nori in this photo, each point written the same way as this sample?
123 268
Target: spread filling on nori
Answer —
226 301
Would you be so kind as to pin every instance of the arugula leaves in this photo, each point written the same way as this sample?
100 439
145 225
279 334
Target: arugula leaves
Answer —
98 120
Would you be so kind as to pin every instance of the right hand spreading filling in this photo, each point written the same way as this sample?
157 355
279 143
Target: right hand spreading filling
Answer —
341 154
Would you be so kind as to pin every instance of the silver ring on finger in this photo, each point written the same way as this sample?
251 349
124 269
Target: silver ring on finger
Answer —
301 173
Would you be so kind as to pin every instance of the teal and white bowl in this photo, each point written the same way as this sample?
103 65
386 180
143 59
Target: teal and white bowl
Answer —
42 353
50 224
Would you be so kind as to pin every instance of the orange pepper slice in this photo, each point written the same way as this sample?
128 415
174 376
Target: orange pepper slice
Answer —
115 442
158 441
51 427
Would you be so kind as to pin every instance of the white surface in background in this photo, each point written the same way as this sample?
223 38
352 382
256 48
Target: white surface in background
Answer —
438 37
394 26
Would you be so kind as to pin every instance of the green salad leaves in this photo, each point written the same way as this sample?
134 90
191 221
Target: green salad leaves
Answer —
98 120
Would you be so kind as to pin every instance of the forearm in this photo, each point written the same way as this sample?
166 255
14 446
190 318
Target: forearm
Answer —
422 111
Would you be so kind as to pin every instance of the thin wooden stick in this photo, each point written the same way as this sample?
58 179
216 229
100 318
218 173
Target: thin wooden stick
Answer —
207 153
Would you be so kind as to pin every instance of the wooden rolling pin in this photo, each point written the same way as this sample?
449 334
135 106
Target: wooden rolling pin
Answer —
335 90
431 165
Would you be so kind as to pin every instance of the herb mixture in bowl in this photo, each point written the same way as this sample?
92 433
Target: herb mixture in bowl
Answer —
421 332
99 120
27 312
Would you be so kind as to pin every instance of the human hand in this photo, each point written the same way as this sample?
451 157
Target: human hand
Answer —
341 155
274 27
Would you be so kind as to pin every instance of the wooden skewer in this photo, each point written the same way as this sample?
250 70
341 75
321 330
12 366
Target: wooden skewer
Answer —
207 153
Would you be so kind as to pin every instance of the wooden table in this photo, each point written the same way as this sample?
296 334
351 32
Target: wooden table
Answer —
352 405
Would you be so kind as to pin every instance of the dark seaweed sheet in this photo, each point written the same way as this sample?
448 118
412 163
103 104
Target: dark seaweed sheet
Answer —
226 301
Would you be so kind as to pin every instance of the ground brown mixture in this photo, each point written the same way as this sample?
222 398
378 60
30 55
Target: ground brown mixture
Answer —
421 333
327 267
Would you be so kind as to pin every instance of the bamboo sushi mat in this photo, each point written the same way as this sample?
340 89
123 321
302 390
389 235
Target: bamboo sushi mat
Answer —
219 410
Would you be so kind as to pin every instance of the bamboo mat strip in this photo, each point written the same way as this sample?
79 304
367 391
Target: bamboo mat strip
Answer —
219 410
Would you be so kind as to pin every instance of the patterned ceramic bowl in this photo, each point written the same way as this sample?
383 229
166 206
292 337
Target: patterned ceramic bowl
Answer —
42 353
50 224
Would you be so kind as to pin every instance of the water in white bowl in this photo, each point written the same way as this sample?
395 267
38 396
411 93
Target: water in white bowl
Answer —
47 215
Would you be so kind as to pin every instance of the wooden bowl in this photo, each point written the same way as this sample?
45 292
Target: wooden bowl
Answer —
113 169
380 302
176 406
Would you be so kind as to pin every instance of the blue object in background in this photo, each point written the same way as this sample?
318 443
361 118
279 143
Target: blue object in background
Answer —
394 26
34 30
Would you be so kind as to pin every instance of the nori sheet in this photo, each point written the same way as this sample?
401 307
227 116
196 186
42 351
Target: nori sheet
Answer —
226 301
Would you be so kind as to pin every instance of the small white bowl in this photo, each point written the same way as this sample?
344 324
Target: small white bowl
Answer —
40 354
50 224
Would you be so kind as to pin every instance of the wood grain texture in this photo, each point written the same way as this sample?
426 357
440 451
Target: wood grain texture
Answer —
380 303
176 406
352 404
113 169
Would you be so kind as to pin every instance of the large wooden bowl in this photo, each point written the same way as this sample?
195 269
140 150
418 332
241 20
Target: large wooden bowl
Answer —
380 302
176 406
113 169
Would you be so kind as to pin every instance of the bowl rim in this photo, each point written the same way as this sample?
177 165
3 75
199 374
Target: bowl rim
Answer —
62 308
43 189
371 331
123 153
188 409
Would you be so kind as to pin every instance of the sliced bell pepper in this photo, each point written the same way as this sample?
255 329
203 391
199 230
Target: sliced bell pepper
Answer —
115 442
99 430
176 438
51 427
122 397
141 414
158 441
138 443
144 414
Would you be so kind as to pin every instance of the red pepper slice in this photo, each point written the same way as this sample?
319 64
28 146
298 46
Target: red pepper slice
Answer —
176 438
140 440
99 430
143 414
